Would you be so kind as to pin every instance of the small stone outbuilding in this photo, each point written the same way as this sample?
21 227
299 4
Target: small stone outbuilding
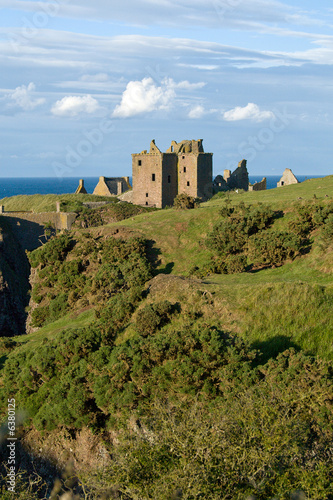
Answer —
287 178
112 186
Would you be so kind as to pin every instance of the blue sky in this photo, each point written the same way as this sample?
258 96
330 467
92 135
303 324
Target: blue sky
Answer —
84 84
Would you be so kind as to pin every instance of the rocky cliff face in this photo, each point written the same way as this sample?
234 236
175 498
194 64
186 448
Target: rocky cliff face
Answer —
14 283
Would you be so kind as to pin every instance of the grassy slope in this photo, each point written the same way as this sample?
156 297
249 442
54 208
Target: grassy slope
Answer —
273 309
45 203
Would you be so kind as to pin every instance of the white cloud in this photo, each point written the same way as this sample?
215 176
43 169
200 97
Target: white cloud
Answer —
249 112
196 112
75 105
22 96
184 84
144 96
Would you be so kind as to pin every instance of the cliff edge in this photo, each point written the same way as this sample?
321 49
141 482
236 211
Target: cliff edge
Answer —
14 283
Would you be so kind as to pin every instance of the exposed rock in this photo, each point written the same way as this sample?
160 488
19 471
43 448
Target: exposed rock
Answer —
14 283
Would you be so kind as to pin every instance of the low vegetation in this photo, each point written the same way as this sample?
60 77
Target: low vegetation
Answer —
216 384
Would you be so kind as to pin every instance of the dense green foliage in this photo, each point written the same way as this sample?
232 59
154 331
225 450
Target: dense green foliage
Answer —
244 239
185 406
267 438
78 273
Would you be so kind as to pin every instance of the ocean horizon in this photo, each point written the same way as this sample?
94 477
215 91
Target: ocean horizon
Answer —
13 186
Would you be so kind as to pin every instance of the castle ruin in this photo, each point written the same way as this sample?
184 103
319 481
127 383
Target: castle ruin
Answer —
159 177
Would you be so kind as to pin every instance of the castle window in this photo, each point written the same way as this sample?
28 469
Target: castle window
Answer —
146 195
183 157
184 170
146 202
139 163
153 177
169 179
188 183
171 149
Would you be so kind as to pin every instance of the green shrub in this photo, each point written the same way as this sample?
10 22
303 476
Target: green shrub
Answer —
184 202
153 316
54 250
327 231
266 439
273 248
39 316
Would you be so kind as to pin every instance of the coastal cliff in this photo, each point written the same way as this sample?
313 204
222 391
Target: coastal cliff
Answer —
14 283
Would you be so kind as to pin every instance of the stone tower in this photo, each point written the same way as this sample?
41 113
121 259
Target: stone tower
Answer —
158 177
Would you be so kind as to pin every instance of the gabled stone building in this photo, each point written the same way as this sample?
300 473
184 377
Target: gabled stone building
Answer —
112 186
184 168
287 178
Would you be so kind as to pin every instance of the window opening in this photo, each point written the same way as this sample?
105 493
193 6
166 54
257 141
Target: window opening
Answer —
153 177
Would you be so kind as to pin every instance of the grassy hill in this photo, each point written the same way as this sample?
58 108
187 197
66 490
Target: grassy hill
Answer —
149 341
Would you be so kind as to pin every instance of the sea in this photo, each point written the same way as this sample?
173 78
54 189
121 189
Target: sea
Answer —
47 185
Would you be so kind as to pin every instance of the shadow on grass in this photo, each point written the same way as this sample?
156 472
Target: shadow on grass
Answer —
153 254
273 347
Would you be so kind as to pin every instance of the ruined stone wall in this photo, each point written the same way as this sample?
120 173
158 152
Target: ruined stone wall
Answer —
29 227
187 174
169 179
258 186
239 179
147 179
205 176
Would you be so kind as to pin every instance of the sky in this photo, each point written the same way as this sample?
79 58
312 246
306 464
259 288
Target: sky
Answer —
83 84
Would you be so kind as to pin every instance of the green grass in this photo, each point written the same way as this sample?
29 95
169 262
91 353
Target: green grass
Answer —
33 340
306 190
179 234
46 203
289 316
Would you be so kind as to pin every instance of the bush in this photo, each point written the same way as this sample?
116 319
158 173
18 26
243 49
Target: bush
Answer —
53 251
153 316
273 248
184 202
230 235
